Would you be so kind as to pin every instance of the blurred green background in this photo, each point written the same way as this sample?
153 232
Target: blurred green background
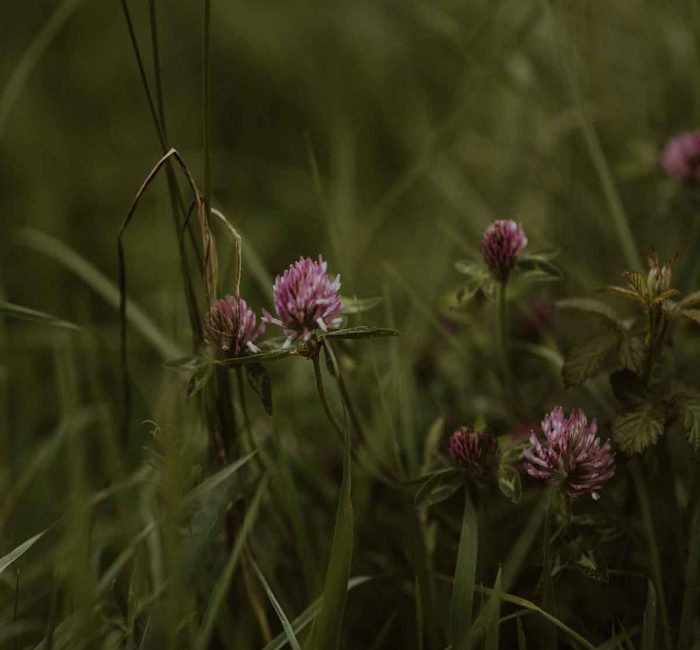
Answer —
384 134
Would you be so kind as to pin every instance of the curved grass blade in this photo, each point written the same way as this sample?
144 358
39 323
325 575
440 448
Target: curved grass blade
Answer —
20 550
33 316
103 286
221 588
462 598
328 626
31 56
288 629
309 615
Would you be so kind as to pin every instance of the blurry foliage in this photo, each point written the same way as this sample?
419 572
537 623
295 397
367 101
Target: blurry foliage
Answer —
385 135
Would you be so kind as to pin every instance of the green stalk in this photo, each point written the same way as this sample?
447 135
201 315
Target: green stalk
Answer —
657 571
462 599
341 431
503 333
206 126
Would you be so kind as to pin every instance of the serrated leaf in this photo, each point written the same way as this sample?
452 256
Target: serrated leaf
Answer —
356 305
509 482
637 281
259 381
625 293
689 411
437 487
586 360
590 306
632 353
640 428
359 332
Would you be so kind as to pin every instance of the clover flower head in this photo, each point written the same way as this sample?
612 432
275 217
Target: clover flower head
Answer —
306 299
501 243
477 451
681 157
230 325
571 454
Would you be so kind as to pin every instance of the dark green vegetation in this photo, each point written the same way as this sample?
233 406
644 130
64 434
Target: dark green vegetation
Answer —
387 136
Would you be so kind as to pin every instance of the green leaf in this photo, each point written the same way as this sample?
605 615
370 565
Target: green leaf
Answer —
259 381
20 550
538 267
356 305
509 482
437 487
432 443
475 271
328 625
632 353
271 355
637 281
640 428
592 564
199 379
359 332
624 292
689 412
692 577
586 360
31 315
590 306
462 598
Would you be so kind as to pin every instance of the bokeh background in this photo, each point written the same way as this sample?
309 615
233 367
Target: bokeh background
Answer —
384 135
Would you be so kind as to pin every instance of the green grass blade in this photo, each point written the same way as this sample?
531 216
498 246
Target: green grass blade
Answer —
649 620
326 633
20 550
103 286
222 585
309 615
692 575
288 629
493 620
33 316
462 599
522 641
31 56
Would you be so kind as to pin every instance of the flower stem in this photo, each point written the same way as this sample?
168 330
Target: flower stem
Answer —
503 333
341 431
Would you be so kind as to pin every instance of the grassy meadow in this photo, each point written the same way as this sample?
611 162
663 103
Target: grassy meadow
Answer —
161 490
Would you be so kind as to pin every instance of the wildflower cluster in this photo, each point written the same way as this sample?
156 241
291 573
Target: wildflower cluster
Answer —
306 300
